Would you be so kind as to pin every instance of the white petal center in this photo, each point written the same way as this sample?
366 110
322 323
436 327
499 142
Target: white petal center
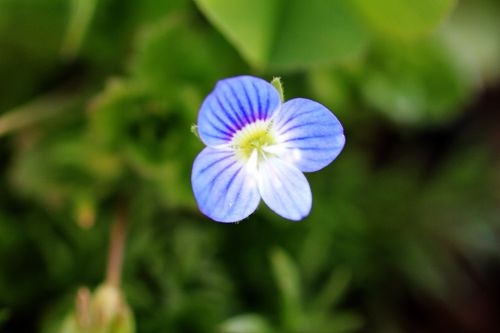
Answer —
255 142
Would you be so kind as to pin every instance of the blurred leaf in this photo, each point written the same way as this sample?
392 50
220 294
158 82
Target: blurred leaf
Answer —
80 19
40 33
58 168
286 275
30 38
333 87
85 210
4 315
124 114
147 11
425 267
145 135
275 34
416 83
472 31
246 323
403 18
397 208
343 322
115 25
38 110
334 289
178 62
179 276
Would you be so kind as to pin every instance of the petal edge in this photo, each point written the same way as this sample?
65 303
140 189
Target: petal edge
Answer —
285 189
310 136
223 188
233 104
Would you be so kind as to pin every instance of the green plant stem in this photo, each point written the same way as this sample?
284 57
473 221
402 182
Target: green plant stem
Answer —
116 247
37 110
82 13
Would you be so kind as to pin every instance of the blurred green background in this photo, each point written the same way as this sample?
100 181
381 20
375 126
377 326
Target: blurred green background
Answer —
97 98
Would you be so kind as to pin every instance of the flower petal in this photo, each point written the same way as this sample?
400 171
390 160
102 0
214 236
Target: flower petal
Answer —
284 189
309 135
234 103
223 187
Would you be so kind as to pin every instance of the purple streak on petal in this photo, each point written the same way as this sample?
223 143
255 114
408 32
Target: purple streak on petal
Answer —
213 179
226 111
215 137
297 126
265 112
234 110
212 163
223 188
249 102
259 106
228 124
311 135
220 130
233 104
306 138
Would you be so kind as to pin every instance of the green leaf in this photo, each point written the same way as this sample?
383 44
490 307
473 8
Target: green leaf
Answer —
416 83
81 16
403 18
334 289
287 278
4 315
287 35
179 63
246 323
146 135
32 28
286 275
473 32
344 322
30 38
332 87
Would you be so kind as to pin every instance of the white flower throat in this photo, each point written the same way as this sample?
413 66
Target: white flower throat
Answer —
254 141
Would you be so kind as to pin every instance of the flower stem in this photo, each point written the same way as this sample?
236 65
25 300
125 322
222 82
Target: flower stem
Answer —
116 247
35 111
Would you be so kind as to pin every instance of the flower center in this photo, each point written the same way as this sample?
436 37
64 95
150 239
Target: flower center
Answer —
253 137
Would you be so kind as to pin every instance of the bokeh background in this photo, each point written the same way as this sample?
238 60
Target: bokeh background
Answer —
97 98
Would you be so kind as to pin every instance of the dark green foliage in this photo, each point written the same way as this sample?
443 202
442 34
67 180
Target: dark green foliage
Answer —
97 100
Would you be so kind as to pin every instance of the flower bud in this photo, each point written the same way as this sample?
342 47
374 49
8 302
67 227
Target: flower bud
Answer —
106 311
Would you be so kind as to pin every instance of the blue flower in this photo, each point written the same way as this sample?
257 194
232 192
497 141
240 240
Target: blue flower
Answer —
258 147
